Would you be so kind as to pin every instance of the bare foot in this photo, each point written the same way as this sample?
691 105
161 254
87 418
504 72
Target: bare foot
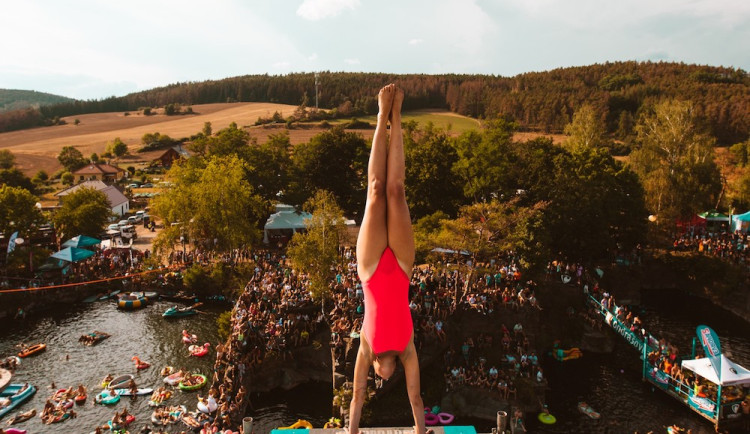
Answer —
398 99
385 100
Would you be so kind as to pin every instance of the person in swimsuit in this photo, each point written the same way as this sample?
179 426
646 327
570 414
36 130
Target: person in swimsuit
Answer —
385 255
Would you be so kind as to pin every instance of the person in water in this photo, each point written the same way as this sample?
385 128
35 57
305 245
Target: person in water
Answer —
385 255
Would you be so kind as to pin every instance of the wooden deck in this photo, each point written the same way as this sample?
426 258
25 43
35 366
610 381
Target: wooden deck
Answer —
380 430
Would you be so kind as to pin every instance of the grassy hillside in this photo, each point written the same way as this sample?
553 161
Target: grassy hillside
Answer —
15 99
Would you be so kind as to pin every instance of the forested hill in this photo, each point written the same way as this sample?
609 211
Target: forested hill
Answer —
542 101
14 99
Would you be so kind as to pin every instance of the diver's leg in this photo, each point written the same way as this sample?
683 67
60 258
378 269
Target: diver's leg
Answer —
400 233
373 234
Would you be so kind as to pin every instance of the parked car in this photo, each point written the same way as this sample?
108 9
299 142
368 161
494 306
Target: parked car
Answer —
113 227
147 185
133 185
122 223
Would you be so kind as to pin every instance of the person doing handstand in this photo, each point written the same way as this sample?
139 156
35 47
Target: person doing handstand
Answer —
385 255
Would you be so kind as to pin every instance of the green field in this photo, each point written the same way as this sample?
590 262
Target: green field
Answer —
440 119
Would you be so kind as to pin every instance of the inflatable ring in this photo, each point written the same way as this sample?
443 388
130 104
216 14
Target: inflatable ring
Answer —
431 419
546 418
445 418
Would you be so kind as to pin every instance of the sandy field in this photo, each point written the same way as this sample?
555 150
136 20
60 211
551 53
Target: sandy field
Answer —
37 149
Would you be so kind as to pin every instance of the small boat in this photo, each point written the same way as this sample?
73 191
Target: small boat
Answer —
300 424
139 392
193 382
110 295
15 431
22 417
151 295
93 338
17 394
587 410
139 364
179 312
30 351
199 350
107 398
175 378
121 381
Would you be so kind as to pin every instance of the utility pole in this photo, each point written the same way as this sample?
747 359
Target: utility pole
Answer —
317 85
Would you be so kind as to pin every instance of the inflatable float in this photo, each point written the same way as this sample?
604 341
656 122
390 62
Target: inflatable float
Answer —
564 355
174 378
546 418
199 350
587 410
208 405
131 301
187 338
30 351
139 392
194 382
300 424
106 398
140 364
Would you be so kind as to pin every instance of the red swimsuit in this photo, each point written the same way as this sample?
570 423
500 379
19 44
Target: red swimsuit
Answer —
387 325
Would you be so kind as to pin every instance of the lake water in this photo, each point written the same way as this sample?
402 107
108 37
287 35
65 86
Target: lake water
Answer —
610 383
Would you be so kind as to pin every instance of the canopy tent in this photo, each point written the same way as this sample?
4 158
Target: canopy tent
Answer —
73 254
714 216
732 374
81 241
741 222
284 223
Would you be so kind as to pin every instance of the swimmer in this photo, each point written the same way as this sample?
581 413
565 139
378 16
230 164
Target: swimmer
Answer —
385 256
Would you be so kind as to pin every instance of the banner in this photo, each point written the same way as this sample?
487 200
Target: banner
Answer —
711 346
12 242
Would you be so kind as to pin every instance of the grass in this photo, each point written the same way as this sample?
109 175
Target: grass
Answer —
440 119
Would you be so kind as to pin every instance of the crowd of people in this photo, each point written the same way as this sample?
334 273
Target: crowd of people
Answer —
730 246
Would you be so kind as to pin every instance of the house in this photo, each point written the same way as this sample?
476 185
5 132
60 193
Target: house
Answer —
171 155
119 204
98 171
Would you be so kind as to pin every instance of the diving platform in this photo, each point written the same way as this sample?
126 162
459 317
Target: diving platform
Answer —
380 430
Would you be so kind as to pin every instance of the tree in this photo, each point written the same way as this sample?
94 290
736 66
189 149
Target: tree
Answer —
207 130
334 161
211 203
83 212
483 163
7 159
117 147
71 158
94 157
13 177
18 211
675 161
315 252
270 166
586 130
228 141
487 229
430 158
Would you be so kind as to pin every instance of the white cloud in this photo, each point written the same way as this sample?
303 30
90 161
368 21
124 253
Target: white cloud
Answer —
352 61
313 57
415 41
314 10
282 65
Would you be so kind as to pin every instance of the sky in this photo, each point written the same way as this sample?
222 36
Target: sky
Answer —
93 49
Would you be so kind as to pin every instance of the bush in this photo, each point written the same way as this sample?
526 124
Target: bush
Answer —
224 324
67 178
356 124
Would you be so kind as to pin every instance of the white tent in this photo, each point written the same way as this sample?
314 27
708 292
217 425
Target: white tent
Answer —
732 374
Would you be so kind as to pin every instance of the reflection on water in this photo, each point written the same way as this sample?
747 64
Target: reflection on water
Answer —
143 333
